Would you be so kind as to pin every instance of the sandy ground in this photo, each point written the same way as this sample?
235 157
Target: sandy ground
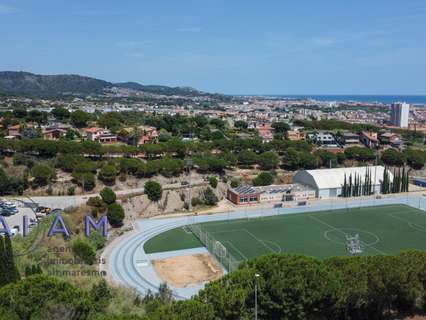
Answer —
183 271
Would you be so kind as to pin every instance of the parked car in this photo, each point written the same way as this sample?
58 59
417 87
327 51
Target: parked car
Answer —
55 211
14 231
42 209
5 213
8 205
8 211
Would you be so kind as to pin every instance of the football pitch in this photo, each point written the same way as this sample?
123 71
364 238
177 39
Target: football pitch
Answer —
381 230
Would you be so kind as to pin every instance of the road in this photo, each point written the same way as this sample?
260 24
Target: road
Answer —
63 202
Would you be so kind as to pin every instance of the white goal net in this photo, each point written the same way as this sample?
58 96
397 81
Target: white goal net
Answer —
353 244
219 249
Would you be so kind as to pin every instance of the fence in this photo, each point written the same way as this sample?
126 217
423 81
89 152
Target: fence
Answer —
214 246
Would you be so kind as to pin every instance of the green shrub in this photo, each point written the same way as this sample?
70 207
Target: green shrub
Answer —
153 190
213 182
263 179
108 196
209 198
108 174
42 174
115 215
84 251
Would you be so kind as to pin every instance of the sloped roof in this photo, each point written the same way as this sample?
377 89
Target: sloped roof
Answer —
242 190
334 178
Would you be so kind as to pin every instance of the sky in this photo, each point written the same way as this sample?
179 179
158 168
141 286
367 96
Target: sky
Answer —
226 46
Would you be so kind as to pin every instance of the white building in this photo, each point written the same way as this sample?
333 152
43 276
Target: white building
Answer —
399 114
328 183
286 192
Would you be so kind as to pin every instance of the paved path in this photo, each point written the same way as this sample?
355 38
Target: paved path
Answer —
63 202
130 266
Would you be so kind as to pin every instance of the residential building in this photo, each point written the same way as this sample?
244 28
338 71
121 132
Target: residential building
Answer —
265 132
295 135
100 135
349 139
369 139
325 139
142 135
399 114
391 138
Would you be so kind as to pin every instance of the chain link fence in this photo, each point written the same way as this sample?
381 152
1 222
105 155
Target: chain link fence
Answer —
214 246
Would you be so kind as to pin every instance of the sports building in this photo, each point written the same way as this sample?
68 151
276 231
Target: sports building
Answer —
328 183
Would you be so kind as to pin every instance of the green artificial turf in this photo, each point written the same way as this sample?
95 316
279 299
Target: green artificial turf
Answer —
382 230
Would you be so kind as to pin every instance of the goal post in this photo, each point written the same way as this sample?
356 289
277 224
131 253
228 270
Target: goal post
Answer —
219 250
353 244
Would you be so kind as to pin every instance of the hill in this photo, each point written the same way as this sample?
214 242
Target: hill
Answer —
25 83
164 90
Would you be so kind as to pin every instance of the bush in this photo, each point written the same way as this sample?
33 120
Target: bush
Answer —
360 153
115 215
392 157
153 190
263 179
196 202
42 174
209 197
97 240
84 251
108 196
71 190
85 179
108 174
235 183
44 298
213 182
268 160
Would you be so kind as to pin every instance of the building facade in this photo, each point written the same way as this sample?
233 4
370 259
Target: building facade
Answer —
399 114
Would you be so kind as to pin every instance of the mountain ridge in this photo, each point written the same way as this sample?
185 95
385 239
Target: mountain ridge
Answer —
31 84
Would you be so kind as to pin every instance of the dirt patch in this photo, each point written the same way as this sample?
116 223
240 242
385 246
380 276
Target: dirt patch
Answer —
183 271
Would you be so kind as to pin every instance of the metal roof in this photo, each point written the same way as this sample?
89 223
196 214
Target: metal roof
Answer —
241 190
334 178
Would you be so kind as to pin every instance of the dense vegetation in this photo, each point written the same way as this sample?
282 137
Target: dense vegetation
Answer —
289 287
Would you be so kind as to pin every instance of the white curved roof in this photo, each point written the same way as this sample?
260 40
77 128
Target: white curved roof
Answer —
334 178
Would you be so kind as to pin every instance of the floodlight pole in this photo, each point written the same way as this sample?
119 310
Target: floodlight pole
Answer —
256 276
189 165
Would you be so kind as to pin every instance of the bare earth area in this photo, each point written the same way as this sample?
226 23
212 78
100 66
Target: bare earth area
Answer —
183 271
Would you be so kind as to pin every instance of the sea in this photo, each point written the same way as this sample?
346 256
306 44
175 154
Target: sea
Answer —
385 99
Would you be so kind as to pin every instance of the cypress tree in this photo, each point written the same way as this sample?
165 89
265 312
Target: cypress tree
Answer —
3 265
407 182
344 187
12 272
403 180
